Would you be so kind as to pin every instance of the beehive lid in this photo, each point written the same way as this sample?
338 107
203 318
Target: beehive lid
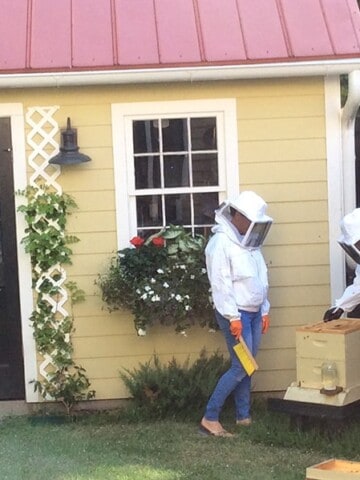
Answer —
343 325
334 469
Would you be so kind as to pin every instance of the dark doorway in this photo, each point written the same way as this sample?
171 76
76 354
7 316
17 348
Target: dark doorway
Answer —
11 354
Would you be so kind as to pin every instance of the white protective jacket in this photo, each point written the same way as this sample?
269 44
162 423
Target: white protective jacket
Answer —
237 275
350 235
351 296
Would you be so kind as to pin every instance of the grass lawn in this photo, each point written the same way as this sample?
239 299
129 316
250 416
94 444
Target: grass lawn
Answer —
110 446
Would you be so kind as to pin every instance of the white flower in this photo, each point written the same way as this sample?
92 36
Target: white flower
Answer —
166 285
192 277
183 267
138 291
155 298
121 255
178 298
203 270
187 307
159 270
186 296
172 295
144 296
141 332
147 288
153 280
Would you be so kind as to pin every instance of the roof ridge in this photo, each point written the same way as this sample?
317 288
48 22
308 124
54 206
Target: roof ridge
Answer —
352 21
284 27
327 25
114 28
157 30
199 30
242 30
28 34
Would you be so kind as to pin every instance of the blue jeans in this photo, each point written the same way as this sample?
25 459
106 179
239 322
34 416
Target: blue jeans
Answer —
235 380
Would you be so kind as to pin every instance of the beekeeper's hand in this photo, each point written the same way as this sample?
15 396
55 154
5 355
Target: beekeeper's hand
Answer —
333 314
265 323
236 328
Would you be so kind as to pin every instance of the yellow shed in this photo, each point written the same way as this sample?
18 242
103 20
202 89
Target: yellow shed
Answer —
269 95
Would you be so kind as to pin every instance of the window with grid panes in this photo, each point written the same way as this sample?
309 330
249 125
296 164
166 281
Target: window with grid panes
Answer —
176 168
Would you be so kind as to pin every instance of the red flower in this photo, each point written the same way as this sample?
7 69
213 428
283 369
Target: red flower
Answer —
158 242
137 242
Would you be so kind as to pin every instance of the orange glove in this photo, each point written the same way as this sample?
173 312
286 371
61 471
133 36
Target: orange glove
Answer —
236 328
265 323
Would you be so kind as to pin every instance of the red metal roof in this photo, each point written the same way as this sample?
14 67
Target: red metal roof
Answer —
70 35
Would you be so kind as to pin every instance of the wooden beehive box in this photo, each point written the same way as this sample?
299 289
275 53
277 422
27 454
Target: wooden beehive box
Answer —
334 469
337 341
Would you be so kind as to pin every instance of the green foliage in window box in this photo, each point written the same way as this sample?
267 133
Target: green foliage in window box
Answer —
174 390
161 280
46 213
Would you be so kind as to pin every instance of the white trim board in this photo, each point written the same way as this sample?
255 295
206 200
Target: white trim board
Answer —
335 183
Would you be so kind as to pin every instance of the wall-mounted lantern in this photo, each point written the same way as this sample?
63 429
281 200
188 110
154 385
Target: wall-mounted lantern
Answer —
69 151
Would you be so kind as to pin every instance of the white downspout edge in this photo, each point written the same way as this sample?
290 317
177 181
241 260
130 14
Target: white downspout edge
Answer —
334 184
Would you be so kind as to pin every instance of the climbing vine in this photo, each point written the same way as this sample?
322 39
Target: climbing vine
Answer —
46 213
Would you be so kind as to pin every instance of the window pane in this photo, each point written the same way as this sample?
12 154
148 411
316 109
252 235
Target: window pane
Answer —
145 136
177 208
176 170
147 172
203 133
205 169
175 135
204 206
148 210
147 232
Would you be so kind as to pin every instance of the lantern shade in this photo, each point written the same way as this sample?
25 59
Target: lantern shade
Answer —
69 151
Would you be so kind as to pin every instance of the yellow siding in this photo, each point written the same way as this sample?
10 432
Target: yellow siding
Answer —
282 156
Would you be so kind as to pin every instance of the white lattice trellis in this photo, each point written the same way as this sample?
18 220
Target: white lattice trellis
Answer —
43 144
41 139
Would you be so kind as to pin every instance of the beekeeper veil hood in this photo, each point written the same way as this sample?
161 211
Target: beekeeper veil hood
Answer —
350 238
253 208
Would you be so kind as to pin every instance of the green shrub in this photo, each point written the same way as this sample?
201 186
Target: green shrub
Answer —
173 390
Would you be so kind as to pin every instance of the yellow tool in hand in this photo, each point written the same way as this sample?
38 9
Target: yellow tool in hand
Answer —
245 357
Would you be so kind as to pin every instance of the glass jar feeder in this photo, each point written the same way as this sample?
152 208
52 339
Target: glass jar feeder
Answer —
329 378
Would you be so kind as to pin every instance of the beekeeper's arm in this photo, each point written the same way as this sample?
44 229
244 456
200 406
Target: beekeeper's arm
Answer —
351 296
348 301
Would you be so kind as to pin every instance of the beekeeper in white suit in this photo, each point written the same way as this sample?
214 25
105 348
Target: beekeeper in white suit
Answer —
239 283
350 242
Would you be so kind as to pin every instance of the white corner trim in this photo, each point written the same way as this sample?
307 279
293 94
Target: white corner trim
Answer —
16 114
335 183
348 118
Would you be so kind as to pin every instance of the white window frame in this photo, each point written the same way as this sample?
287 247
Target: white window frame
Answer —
122 116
